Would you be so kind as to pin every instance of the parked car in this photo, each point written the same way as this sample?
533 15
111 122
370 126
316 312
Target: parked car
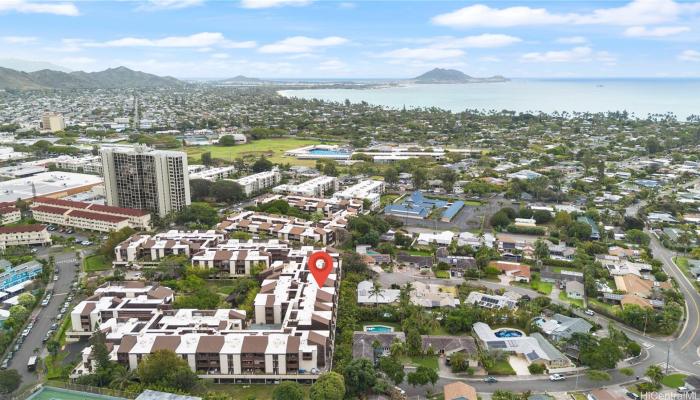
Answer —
557 377
589 312
633 396
490 379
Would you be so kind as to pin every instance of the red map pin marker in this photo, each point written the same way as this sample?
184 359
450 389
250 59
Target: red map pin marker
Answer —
320 265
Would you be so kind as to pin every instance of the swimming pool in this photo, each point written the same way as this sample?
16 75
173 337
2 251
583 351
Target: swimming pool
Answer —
378 329
328 152
50 393
507 333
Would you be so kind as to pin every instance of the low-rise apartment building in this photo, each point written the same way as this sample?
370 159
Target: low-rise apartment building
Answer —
213 174
152 248
9 213
24 235
88 216
256 183
289 229
319 186
328 206
369 189
291 336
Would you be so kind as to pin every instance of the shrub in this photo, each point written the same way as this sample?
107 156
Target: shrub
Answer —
536 369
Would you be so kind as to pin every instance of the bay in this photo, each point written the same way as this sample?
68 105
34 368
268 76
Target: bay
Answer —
639 97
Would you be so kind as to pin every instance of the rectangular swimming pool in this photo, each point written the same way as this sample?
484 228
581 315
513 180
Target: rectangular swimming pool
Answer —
50 393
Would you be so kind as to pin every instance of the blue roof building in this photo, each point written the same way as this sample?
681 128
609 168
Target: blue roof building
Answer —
15 275
418 206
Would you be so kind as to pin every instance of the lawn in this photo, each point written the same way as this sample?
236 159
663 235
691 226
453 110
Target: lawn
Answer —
564 297
245 392
674 380
682 263
472 203
273 149
542 287
610 309
97 262
442 274
578 396
426 361
416 252
388 198
501 368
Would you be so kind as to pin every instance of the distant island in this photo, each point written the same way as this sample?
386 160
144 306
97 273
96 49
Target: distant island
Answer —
440 75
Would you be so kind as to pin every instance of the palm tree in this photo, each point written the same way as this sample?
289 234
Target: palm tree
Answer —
122 377
655 373
376 291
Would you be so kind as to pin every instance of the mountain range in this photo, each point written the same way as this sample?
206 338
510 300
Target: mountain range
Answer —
440 75
30 65
120 77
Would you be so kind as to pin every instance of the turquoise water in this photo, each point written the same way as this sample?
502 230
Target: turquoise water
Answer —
378 329
48 393
506 333
636 96
324 152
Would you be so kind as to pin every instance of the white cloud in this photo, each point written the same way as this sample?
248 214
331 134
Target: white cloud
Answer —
636 12
576 54
660 31
154 5
18 39
572 40
689 55
423 54
220 56
489 59
582 53
273 3
229 44
201 40
27 7
347 5
332 65
482 15
68 45
76 61
486 40
301 44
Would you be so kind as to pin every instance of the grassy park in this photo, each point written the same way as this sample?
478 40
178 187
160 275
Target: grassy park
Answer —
273 149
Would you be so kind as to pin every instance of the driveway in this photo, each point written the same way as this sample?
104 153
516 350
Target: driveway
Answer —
519 365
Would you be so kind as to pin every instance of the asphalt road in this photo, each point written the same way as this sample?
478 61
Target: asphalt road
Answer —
45 316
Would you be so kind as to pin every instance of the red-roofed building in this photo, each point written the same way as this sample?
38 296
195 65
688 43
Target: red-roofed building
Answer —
88 216
519 272
24 235
9 214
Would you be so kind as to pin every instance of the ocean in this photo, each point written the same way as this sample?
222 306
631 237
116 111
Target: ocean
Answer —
639 97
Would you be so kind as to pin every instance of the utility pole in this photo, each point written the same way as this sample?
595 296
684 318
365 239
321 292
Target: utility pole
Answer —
668 355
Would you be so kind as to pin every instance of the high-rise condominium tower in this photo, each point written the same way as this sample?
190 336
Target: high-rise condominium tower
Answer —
146 179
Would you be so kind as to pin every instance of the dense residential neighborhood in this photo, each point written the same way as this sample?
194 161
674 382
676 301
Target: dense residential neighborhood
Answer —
160 239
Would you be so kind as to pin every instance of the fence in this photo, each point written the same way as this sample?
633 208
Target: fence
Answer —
75 387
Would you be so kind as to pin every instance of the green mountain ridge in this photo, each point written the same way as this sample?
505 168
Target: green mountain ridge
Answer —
120 77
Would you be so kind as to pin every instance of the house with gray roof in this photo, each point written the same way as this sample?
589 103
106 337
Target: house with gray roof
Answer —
534 349
561 327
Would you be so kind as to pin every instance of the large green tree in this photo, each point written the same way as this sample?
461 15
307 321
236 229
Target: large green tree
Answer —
10 380
288 390
328 386
166 369
359 376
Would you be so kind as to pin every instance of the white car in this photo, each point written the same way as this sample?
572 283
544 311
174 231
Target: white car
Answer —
589 312
556 377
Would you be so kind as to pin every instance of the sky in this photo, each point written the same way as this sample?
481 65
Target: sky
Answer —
358 39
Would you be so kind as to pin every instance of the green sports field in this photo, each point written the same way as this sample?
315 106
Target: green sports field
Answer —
273 149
